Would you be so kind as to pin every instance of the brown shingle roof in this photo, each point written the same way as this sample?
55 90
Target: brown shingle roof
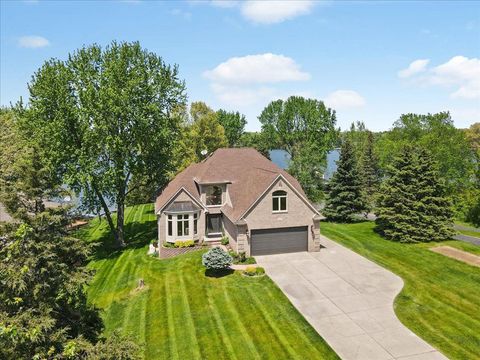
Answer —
247 171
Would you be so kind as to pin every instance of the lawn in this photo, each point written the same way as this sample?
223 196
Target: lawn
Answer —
441 297
184 314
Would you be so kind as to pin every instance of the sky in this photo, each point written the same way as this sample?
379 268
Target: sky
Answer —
371 61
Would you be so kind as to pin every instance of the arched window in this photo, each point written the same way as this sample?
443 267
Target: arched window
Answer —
279 201
214 195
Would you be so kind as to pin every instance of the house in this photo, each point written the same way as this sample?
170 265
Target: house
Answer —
240 194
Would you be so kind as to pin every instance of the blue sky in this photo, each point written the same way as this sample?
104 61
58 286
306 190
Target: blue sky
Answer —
371 61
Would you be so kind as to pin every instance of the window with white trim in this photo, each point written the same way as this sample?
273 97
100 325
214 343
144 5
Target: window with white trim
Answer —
182 225
169 225
195 224
279 201
214 195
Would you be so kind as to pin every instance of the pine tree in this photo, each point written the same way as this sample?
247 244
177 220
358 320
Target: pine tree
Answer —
345 198
369 172
413 206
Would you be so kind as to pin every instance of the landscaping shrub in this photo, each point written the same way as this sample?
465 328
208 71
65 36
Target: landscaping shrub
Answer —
260 270
184 244
254 271
216 259
250 271
225 240
241 258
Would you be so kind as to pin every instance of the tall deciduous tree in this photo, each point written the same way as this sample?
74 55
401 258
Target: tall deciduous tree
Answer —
413 206
103 117
345 197
436 132
206 132
234 125
305 128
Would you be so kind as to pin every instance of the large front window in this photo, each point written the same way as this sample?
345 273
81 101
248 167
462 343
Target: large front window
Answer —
279 199
214 195
170 225
182 225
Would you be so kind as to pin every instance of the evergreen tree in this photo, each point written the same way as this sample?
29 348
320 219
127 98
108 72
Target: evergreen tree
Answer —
345 197
413 206
369 172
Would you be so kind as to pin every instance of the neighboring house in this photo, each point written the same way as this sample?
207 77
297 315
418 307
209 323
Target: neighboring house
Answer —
240 194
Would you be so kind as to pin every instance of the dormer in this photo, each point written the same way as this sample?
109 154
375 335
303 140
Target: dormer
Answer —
214 194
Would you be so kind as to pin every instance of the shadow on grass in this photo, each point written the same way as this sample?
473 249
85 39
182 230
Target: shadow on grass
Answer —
137 235
218 273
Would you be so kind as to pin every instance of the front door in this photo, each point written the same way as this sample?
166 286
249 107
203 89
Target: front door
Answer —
214 224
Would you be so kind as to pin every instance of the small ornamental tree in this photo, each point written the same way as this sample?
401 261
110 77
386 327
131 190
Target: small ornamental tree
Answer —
345 198
412 205
216 259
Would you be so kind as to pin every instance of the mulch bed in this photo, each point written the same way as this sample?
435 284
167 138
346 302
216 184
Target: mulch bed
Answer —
166 253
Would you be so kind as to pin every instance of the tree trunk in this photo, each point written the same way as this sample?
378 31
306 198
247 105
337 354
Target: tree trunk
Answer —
120 221
108 216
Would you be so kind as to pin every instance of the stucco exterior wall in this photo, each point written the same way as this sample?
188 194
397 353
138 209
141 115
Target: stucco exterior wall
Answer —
298 213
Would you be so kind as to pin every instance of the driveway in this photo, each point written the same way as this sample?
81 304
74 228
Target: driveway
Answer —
349 301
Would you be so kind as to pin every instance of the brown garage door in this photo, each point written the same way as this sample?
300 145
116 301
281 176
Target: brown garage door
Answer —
279 240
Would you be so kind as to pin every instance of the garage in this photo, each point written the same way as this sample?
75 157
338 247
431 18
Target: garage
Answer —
279 240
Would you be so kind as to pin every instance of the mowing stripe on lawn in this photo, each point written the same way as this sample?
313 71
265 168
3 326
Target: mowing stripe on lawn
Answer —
187 314
218 321
293 329
170 320
238 321
272 324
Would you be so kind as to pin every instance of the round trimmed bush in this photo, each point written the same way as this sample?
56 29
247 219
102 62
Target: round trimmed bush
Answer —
216 259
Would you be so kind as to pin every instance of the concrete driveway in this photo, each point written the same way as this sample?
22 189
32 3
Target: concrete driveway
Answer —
349 301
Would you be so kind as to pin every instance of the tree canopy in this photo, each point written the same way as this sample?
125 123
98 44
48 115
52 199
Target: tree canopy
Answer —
44 312
413 205
436 132
305 128
25 180
234 125
345 196
103 117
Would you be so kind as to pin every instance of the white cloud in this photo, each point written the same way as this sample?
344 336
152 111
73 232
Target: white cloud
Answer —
460 73
269 12
262 68
33 41
242 96
415 67
342 99
247 80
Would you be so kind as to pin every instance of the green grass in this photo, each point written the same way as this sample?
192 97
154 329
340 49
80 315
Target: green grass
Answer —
184 314
467 224
441 297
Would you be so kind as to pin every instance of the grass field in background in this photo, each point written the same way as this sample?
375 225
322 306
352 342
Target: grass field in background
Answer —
441 298
184 314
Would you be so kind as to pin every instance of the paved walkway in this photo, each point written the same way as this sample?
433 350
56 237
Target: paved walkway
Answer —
349 301
470 239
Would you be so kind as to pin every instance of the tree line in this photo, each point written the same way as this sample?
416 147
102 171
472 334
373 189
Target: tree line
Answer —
114 124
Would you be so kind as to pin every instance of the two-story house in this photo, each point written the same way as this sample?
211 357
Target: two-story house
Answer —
241 194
